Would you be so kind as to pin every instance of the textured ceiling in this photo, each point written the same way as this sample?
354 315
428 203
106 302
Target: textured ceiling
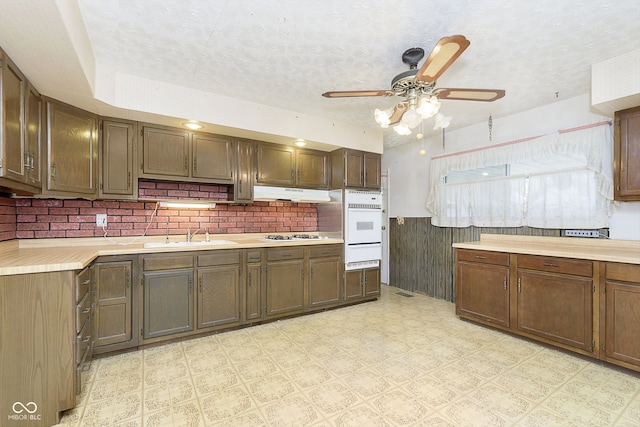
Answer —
286 53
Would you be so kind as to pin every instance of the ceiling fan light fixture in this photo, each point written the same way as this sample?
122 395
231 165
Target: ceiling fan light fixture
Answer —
441 121
402 129
383 117
411 118
428 106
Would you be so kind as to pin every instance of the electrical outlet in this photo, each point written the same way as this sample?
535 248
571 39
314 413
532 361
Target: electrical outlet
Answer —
101 220
581 233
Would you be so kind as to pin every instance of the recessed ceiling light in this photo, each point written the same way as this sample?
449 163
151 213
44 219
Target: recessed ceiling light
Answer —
300 142
192 124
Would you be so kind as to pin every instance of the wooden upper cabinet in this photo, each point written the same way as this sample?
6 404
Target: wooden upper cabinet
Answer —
179 155
119 178
355 169
33 135
243 188
213 157
312 169
275 165
284 166
165 153
71 151
627 155
20 129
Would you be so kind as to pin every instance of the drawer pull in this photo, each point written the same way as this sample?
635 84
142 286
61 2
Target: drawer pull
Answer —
86 339
548 264
86 310
481 257
85 282
286 255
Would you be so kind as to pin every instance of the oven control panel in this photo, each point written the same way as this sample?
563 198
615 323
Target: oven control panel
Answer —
356 199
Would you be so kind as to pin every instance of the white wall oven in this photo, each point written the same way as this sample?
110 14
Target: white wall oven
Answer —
362 229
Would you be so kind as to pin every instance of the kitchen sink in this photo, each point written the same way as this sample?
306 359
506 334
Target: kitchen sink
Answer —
188 244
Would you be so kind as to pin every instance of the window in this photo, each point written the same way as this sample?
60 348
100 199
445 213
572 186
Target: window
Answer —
561 180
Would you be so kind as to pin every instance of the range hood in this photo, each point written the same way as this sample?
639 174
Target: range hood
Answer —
261 192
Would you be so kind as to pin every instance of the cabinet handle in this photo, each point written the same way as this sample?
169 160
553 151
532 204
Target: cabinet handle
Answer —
298 174
53 170
200 283
504 282
240 186
27 160
128 282
519 289
86 310
195 165
190 285
286 255
250 278
481 257
302 274
548 264
186 163
128 179
312 272
86 339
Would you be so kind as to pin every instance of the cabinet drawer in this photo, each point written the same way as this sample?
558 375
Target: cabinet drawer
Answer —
254 256
83 311
83 281
623 272
322 251
486 257
165 262
219 258
285 253
556 265
83 340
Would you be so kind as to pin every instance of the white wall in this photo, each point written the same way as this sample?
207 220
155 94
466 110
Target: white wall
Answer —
409 171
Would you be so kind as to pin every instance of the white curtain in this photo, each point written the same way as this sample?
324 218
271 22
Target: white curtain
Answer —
578 198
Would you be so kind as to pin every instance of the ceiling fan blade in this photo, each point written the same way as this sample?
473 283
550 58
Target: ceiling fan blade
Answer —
486 95
441 57
398 111
354 93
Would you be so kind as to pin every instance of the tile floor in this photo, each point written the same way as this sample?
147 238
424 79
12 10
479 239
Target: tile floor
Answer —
399 361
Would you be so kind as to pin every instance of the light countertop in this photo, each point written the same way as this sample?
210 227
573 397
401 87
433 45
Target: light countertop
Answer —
624 251
45 255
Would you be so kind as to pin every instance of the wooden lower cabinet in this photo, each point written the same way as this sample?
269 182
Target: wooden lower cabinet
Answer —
482 289
284 282
621 311
168 303
556 307
218 276
361 284
254 285
589 307
115 322
325 276
37 346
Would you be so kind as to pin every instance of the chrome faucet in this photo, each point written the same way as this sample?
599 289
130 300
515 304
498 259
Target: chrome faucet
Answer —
189 235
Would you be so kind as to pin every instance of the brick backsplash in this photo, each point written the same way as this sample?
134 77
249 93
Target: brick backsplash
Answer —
30 218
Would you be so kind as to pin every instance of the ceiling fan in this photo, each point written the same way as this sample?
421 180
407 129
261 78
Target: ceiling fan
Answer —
417 86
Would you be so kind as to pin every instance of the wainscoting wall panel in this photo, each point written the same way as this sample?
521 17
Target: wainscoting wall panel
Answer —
422 260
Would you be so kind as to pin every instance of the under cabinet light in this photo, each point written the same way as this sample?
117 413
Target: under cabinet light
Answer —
192 124
188 205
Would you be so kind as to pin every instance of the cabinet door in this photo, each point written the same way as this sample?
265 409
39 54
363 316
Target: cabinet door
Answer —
113 303
354 163
117 164
285 287
275 164
556 307
621 321
372 170
168 302
371 284
213 158
253 298
72 150
312 169
353 284
33 135
482 292
243 188
325 279
627 155
165 152
218 296
12 143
